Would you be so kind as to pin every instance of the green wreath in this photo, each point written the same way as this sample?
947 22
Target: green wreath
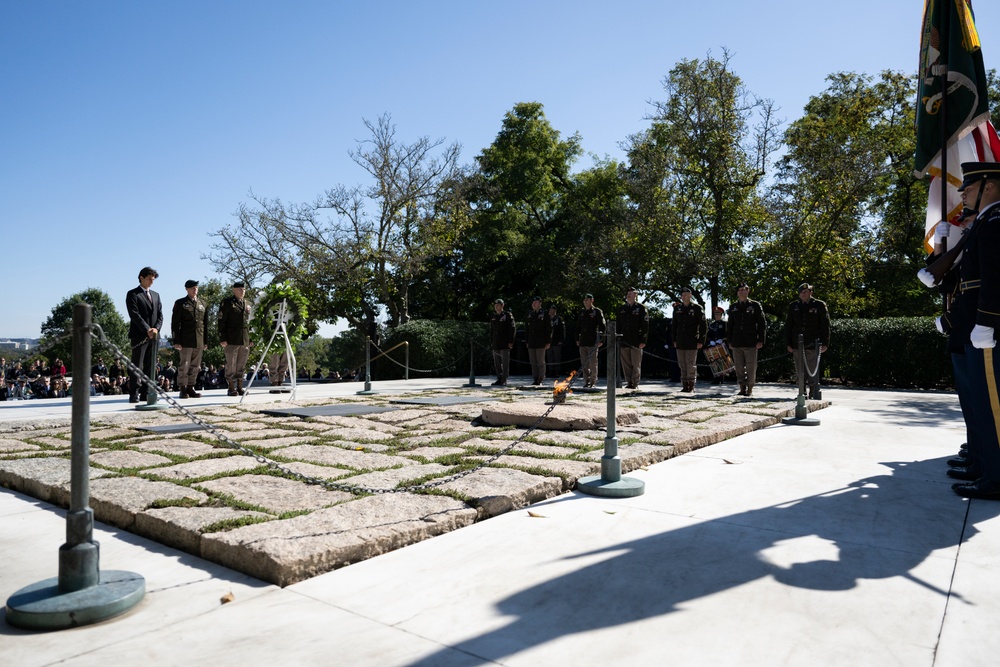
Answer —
265 314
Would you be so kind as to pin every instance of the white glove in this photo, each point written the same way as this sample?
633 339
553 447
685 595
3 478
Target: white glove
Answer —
982 337
937 323
941 231
926 277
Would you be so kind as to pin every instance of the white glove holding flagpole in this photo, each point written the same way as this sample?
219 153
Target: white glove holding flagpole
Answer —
926 277
939 325
941 231
982 337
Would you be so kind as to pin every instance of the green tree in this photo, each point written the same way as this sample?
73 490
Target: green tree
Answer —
717 139
846 213
518 238
355 251
60 323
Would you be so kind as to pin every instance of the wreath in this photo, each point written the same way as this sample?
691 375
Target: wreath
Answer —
265 314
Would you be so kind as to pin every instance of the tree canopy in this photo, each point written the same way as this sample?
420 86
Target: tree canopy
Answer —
714 191
57 341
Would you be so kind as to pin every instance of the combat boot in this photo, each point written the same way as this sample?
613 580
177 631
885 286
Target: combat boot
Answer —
192 393
239 387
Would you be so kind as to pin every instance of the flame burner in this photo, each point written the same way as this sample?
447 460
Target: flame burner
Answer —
561 389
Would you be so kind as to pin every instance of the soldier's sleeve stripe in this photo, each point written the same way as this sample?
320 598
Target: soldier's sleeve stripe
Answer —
987 312
991 385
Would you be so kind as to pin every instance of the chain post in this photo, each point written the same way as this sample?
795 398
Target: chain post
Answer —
610 483
802 417
368 368
472 365
80 595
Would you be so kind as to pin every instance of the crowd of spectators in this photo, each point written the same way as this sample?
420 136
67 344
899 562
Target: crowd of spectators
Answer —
49 380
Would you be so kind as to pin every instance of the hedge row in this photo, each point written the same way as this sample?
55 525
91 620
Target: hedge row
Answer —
888 352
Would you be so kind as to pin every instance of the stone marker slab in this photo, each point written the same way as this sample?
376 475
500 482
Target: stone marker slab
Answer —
117 500
390 479
338 410
333 455
128 459
11 445
46 479
569 417
363 434
176 446
275 494
207 467
432 453
443 400
172 428
352 422
180 527
569 470
499 490
523 447
287 551
636 455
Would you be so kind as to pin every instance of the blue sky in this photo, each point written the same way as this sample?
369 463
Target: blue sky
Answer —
131 130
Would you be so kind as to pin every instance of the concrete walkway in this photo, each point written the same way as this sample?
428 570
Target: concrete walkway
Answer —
839 544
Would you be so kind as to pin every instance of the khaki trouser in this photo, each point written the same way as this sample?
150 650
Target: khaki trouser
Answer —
188 367
279 364
745 360
236 362
536 355
501 363
631 365
588 359
688 362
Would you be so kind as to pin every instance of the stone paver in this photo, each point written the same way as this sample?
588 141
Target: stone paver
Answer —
128 459
291 550
176 447
206 504
11 445
275 494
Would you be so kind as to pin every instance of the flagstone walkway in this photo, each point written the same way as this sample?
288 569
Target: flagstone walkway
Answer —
285 498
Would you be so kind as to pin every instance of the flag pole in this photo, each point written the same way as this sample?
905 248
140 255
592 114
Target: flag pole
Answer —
945 31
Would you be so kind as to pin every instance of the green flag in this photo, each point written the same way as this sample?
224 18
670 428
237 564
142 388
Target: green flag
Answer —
966 99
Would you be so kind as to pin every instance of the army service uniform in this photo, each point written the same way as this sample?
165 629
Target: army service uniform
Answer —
689 331
234 331
746 332
810 320
502 332
189 328
553 356
633 325
538 335
590 327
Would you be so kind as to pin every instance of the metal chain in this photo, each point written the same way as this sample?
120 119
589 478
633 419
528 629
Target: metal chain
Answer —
335 486
519 361
418 370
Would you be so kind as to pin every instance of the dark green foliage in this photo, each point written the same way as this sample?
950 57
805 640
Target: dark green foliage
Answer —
441 347
888 352
60 323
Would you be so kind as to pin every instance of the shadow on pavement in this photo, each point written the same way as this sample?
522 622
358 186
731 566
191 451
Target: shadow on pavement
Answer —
881 525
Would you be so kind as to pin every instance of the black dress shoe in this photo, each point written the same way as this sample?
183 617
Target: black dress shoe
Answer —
959 462
983 490
969 474
133 399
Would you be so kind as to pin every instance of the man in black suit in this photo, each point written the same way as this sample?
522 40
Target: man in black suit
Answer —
145 314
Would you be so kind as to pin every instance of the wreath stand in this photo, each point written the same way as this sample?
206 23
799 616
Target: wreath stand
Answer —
281 318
